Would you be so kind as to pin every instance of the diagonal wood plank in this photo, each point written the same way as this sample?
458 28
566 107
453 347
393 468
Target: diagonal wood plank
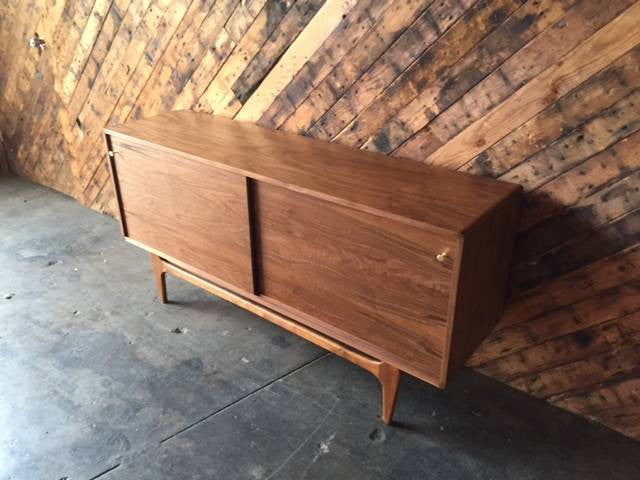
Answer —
609 43
349 122
218 96
318 29
610 166
573 287
608 305
596 94
525 23
581 21
368 20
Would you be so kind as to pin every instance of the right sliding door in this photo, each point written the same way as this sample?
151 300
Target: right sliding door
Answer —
370 281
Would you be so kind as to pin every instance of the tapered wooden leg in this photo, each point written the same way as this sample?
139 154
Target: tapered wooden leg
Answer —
161 274
389 380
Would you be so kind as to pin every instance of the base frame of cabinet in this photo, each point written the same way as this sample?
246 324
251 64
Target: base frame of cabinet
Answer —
387 375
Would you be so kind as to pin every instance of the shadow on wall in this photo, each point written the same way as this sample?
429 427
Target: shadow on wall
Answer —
568 238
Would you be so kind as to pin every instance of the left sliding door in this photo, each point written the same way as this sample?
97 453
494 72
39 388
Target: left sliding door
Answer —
185 210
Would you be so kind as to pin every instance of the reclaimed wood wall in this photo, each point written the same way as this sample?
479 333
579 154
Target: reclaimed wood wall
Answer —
545 93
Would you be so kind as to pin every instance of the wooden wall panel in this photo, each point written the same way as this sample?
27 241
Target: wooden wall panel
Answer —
545 93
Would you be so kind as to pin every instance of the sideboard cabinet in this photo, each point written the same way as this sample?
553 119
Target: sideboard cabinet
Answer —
392 264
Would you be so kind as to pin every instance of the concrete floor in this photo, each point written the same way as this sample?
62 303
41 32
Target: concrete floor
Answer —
94 384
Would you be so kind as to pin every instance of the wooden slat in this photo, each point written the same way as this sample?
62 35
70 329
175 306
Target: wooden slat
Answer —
209 66
66 39
451 83
608 166
616 404
586 247
595 135
578 285
553 353
151 87
84 47
542 52
318 29
290 27
242 18
621 360
368 20
606 205
609 43
178 74
219 97
77 86
343 124
168 34
611 304
599 92
387 44
134 33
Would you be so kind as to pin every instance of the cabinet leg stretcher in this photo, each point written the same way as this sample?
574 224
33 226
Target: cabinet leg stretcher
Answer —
387 375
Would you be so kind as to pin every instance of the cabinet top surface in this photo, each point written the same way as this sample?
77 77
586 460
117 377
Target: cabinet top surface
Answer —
394 187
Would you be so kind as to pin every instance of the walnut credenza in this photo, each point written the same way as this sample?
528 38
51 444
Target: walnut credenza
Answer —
389 263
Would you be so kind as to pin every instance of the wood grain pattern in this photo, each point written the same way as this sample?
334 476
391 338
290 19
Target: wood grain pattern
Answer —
530 82
454 81
293 59
514 75
331 263
194 212
456 41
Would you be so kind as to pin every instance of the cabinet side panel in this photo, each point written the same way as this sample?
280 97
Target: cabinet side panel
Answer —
188 210
484 269
374 279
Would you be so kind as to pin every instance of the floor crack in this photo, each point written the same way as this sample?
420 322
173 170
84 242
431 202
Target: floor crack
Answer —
248 395
110 469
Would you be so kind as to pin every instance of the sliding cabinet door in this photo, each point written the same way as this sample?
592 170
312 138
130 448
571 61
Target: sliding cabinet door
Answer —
370 281
187 210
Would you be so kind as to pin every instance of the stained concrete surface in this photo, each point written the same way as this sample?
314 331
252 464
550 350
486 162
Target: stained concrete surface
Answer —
94 383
